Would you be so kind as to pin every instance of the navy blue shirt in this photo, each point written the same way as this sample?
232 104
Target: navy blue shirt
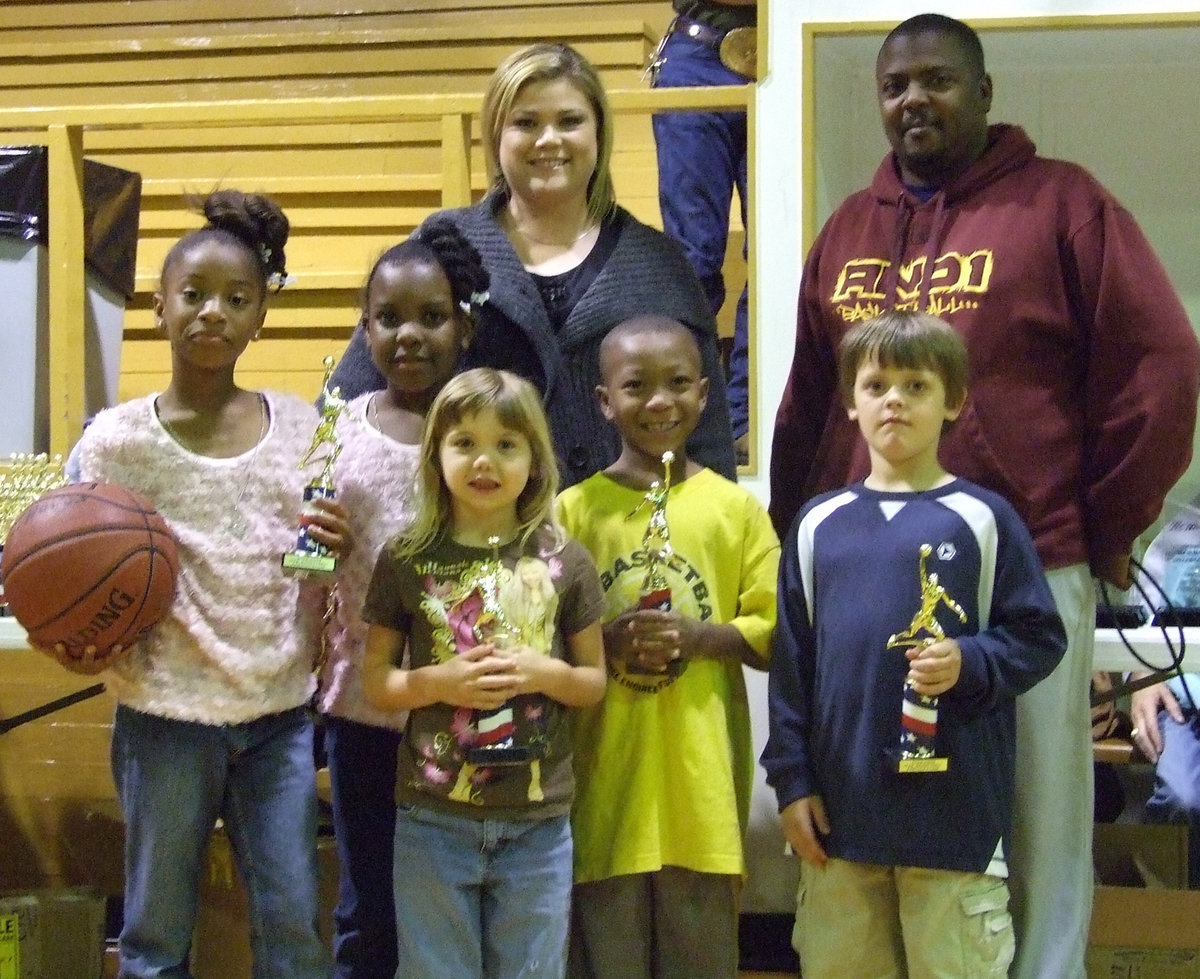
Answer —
850 579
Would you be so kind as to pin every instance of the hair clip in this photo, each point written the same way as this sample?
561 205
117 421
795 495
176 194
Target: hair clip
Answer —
264 252
477 300
277 280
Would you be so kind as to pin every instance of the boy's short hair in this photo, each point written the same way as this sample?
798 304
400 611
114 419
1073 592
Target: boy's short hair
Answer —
903 338
640 325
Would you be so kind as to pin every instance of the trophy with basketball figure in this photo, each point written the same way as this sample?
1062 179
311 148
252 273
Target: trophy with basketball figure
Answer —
655 592
310 558
496 742
919 713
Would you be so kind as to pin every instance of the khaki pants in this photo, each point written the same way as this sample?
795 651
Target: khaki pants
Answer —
857 919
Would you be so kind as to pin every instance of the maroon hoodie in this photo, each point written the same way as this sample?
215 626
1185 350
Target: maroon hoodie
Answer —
1084 368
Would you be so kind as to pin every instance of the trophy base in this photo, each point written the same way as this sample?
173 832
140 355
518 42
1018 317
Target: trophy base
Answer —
506 755
909 765
302 564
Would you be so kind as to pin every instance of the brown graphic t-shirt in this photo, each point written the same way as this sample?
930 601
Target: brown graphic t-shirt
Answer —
451 598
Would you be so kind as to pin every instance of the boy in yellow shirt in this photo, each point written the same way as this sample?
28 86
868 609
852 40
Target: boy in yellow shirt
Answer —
664 763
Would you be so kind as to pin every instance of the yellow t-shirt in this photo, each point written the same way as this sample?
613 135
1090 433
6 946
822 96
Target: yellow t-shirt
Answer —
663 765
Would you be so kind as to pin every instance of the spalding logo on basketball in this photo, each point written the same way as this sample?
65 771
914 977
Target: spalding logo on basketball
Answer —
89 564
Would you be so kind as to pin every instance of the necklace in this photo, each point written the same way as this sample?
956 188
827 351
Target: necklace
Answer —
555 244
234 521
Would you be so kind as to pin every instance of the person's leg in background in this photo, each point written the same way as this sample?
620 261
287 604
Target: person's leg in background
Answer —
738 388
1051 852
701 159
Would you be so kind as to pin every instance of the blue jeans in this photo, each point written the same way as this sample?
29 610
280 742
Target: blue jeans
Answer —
1176 797
362 770
701 159
174 778
481 899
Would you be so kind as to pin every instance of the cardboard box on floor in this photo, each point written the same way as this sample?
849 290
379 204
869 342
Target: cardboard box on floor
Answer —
1143 932
221 944
52 934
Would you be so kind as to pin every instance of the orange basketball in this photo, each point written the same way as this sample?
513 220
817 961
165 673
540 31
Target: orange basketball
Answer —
90 564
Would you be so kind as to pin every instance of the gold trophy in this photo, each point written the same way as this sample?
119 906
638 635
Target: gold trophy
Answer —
918 713
310 558
655 592
496 729
26 478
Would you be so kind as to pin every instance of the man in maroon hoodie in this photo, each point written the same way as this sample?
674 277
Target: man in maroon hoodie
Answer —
1083 389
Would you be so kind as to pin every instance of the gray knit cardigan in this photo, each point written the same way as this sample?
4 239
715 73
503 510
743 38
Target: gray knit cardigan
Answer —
646 273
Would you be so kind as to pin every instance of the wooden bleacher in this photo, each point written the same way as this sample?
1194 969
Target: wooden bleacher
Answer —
385 61
360 122
349 189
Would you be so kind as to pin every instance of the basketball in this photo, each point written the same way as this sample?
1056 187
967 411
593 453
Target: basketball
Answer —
89 564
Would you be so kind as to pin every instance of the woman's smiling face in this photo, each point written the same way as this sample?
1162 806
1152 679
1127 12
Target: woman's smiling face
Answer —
549 143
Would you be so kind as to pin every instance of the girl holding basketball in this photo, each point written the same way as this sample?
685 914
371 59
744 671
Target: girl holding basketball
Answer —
211 718
419 306
482 840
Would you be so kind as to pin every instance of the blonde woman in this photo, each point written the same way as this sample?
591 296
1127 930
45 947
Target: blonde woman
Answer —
567 263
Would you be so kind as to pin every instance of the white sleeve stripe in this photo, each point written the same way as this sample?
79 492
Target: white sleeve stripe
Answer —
982 521
805 534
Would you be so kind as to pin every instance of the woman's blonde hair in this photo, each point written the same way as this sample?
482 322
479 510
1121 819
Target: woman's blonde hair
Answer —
519 407
547 62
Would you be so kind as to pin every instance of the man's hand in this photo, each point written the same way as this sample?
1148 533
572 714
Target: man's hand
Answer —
1144 707
1114 570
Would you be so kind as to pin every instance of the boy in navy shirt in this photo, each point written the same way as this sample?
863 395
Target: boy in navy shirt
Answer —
912 612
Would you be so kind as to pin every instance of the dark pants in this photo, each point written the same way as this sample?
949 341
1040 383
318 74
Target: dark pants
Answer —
362 771
701 159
